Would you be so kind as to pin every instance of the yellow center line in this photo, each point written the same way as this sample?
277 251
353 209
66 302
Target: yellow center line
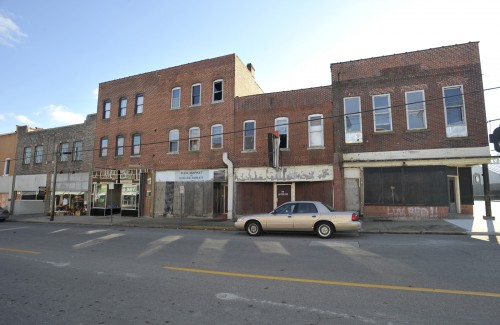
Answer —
18 250
338 283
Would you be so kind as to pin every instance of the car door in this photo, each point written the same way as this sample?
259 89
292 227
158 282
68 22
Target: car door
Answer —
281 218
306 214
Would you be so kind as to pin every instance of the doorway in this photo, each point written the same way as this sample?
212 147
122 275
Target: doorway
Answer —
452 194
283 193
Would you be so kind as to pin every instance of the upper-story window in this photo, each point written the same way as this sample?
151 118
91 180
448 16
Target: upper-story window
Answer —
196 95
415 110
38 154
453 98
173 141
194 139
136 144
106 109
103 150
176 98
315 126
249 135
27 156
217 131
120 146
65 153
139 104
77 150
218 89
352 120
281 125
6 167
382 113
123 107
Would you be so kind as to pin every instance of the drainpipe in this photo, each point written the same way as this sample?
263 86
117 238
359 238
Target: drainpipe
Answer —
230 185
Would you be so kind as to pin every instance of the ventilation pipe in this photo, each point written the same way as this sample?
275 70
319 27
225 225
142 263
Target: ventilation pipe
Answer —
230 185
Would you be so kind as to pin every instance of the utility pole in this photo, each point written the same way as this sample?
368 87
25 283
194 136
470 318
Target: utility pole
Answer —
56 156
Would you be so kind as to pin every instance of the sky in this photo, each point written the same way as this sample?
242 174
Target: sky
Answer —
54 53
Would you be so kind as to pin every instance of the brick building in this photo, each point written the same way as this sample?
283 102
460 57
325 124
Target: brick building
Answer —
7 158
302 168
408 128
161 136
35 166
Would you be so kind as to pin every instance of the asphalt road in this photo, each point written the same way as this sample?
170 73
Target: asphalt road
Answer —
60 274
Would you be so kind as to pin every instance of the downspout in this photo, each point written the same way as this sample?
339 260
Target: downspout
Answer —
230 185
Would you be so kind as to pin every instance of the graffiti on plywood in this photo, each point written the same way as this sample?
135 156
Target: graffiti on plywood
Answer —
413 212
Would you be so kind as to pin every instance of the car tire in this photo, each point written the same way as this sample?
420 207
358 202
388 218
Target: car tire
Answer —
253 228
325 230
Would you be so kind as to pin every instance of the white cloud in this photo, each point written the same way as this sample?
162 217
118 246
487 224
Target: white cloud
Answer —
10 33
96 92
25 120
2 117
61 114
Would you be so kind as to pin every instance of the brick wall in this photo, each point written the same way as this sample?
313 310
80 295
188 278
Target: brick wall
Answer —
8 144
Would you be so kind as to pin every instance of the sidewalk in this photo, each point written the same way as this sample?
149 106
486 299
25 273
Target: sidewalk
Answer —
455 225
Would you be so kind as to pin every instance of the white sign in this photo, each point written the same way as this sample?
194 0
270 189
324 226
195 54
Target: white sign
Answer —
181 189
192 176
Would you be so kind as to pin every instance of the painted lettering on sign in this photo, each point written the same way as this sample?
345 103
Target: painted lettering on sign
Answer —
413 212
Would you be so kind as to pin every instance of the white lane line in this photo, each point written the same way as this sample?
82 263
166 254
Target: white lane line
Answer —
96 241
8 229
91 232
158 244
232 296
334 244
60 230
271 247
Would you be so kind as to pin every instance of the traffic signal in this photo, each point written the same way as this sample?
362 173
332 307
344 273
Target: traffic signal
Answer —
495 139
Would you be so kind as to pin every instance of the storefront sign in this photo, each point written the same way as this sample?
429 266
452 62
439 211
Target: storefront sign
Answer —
192 176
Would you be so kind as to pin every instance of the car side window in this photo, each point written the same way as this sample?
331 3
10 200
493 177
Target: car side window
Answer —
307 208
285 209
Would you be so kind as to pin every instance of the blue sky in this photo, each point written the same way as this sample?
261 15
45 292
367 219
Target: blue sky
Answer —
54 53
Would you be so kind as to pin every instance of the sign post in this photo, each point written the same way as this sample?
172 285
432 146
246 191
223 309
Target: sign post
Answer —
181 191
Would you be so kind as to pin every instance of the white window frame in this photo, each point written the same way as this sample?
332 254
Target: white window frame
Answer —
424 110
6 167
315 129
353 136
176 100
173 140
455 130
252 135
120 147
194 139
280 126
122 109
221 91
218 135
136 147
380 111
77 155
38 155
192 94
106 114
64 156
139 107
103 147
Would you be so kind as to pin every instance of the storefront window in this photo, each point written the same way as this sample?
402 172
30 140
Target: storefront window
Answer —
130 196
100 198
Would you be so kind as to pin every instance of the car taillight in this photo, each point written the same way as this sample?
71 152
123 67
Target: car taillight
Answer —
355 216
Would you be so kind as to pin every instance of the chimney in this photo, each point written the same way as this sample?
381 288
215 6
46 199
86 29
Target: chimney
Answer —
251 69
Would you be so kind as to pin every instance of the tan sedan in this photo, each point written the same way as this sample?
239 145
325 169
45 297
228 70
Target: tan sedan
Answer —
311 216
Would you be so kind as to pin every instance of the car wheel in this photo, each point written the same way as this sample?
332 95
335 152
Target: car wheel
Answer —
324 230
253 228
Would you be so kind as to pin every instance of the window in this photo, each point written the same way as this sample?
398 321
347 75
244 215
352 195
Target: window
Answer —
415 110
281 125
139 104
136 144
249 135
218 91
27 156
176 98
77 150
382 113
103 151
194 139
106 112
120 143
217 131
454 111
173 141
38 154
123 107
6 167
196 95
64 153
352 120
315 122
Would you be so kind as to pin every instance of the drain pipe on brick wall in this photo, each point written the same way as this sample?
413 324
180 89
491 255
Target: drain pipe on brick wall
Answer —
230 185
